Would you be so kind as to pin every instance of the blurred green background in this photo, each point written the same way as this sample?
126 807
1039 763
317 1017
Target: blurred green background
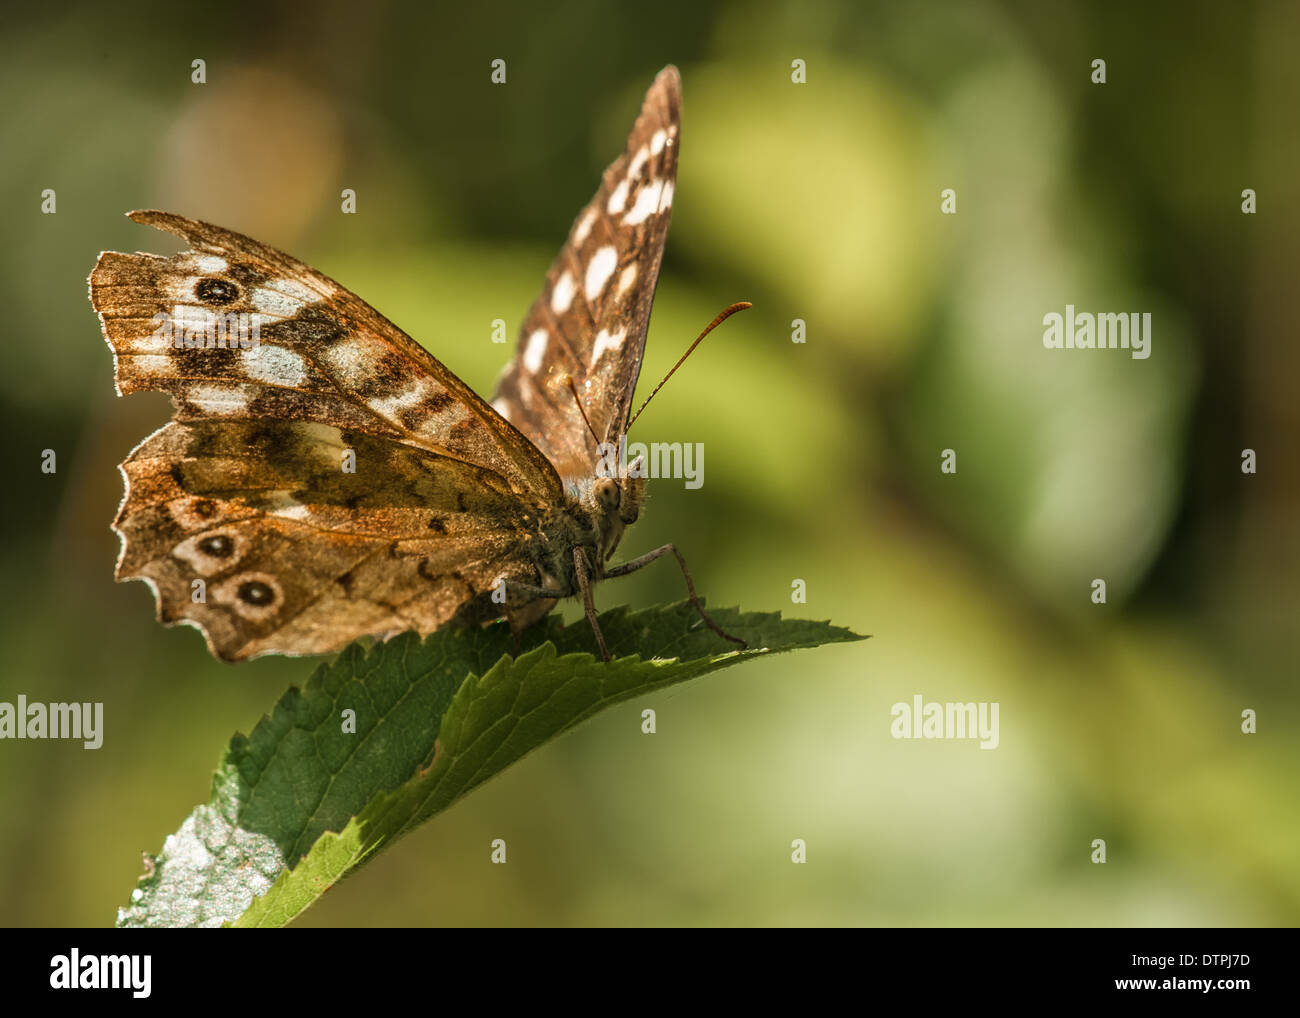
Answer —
817 201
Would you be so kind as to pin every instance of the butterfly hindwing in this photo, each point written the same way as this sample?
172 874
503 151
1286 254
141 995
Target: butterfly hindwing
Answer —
589 322
249 530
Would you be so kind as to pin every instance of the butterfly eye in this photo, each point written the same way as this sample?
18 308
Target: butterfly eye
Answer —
607 493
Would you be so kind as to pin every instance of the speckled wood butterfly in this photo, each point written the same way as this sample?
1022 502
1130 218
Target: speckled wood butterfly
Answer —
324 477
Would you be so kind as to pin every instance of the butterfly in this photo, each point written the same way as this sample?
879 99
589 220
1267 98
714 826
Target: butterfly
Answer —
325 478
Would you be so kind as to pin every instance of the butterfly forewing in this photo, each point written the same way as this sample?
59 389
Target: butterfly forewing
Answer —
320 352
589 322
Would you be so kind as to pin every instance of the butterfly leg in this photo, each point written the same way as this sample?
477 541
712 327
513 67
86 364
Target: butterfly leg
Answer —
526 594
650 556
584 584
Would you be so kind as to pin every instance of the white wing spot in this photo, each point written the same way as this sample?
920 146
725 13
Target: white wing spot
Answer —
272 302
292 288
350 362
324 440
182 289
601 267
501 406
647 204
583 228
535 350
666 202
562 295
638 162
211 264
626 280
193 317
219 400
159 365
657 141
618 200
274 365
605 341
390 406
283 298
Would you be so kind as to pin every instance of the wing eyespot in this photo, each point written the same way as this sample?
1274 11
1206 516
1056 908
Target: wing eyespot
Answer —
215 290
256 594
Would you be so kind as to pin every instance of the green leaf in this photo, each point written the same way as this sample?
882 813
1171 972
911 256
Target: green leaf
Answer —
301 802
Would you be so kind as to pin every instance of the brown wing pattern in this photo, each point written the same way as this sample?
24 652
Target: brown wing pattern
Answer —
324 477
320 352
250 531
589 323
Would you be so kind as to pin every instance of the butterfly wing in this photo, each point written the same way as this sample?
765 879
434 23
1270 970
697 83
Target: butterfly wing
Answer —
249 531
300 548
321 353
589 323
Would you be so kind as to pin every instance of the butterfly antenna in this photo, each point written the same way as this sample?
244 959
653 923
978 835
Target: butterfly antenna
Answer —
568 380
726 313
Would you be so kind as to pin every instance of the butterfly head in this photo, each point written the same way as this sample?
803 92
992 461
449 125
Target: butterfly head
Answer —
615 503
620 498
